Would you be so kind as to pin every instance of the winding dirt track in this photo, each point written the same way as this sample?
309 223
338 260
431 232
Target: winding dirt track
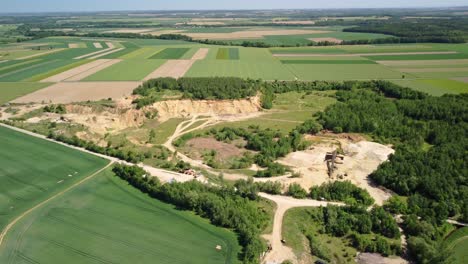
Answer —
280 252
12 223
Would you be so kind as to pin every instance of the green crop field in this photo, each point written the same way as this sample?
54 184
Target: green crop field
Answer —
142 53
170 54
127 70
267 70
419 57
33 169
13 90
38 68
328 62
228 54
342 72
435 87
458 243
105 220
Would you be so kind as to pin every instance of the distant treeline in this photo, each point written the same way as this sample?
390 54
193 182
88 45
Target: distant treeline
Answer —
454 30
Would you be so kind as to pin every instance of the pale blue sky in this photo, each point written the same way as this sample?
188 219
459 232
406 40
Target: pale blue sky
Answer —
112 5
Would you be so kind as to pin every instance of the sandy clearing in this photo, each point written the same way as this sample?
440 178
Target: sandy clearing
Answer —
39 54
105 53
131 30
253 34
361 159
374 258
88 71
92 53
73 45
365 54
332 40
280 252
200 54
423 62
68 92
172 68
97 45
75 71
434 70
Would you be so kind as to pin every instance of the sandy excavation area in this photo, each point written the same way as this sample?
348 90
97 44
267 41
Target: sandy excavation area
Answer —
82 71
361 159
68 92
332 40
253 34
171 68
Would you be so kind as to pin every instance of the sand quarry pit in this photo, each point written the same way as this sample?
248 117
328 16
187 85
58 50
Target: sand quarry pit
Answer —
361 159
188 108
331 40
223 150
82 71
171 68
253 34
68 92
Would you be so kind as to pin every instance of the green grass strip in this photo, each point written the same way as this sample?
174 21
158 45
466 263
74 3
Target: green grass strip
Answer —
234 53
328 62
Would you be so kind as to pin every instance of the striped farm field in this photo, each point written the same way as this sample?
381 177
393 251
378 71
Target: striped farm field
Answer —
37 68
127 70
228 54
13 90
342 72
328 62
170 54
266 70
142 53
453 56
34 169
105 220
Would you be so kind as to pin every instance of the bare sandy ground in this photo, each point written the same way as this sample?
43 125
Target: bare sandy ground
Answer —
92 53
434 70
361 159
200 54
373 258
39 54
253 34
91 70
97 45
172 68
332 40
280 252
110 45
68 92
105 53
81 71
73 45
364 54
423 62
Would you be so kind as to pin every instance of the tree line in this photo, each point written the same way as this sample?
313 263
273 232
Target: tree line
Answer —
223 206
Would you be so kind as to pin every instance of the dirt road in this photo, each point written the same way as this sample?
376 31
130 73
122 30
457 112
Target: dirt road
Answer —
280 252
12 223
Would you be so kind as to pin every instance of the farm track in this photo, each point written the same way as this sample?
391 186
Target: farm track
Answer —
280 252
88 67
12 223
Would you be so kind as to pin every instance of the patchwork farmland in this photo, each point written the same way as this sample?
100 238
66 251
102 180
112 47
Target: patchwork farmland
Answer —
192 137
